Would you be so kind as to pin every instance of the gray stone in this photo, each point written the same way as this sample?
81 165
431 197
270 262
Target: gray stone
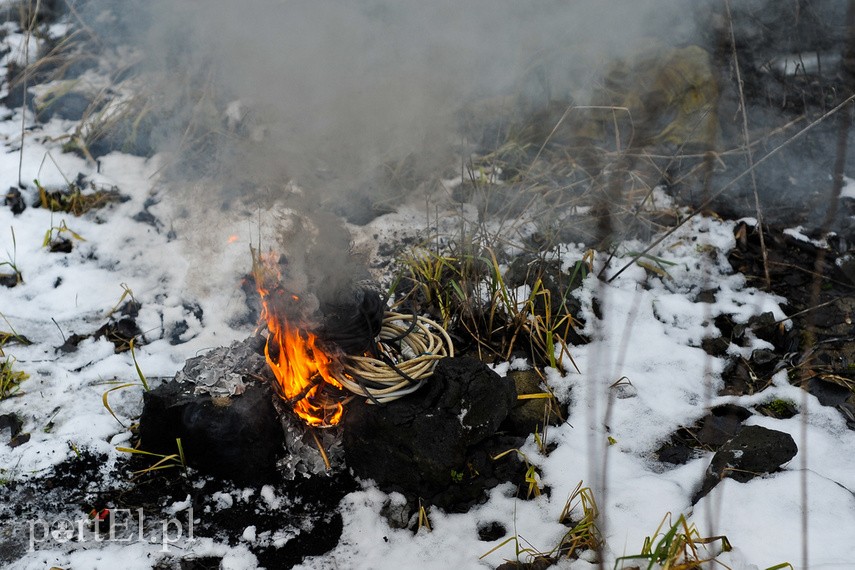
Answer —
754 451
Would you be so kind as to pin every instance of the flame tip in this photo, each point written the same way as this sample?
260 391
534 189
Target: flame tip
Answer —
301 367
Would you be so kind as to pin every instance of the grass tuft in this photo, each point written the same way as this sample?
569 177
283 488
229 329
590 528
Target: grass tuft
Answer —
119 385
10 379
164 461
14 278
679 548
583 533
580 514
424 522
532 478
467 290
73 200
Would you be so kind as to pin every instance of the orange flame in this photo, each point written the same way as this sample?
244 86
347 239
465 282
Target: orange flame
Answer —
233 238
300 366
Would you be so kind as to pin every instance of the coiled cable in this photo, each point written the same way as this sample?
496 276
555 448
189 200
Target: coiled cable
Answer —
402 358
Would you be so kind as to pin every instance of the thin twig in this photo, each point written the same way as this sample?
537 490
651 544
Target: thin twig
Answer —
29 29
749 157
804 311
321 448
812 273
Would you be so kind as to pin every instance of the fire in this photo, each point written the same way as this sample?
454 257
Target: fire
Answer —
301 367
233 238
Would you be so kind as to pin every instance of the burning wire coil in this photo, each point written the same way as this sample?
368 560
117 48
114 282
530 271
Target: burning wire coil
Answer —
408 349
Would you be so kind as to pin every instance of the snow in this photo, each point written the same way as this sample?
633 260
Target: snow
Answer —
848 190
650 334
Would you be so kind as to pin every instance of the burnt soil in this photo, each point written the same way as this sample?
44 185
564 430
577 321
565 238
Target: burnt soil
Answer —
305 510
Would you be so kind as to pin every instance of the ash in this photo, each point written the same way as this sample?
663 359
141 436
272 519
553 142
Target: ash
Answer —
221 371
302 457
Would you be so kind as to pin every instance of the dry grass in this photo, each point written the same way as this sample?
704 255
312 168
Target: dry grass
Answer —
466 290
10 379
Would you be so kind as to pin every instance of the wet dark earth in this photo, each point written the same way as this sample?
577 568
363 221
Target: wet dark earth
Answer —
290 519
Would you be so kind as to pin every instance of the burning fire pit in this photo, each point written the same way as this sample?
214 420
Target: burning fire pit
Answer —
249 412
363 351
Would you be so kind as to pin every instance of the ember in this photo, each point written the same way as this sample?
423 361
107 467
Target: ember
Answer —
304 371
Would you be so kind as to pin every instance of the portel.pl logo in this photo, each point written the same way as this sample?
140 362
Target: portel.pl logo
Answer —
111 525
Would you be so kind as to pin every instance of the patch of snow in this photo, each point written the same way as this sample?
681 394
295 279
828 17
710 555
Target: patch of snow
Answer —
797 233
178 506
268 494
248 534
848 190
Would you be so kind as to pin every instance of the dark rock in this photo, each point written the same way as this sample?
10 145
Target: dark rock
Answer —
70 344
765 326
763 356
715 346
17 94
722 424
848 411
676 453
428 443
19 439
828 393
709 434
10 279
177 330
845 263
44 12
15 201
754 451
740 378
482 472
236 437
133 134
71 106
397 513
120 333
706 296
146 217
729 330
190 563
61 245
539 563
194 309
13 422
131 309
491 531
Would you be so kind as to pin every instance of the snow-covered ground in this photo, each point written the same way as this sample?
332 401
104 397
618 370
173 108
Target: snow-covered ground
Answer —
650 334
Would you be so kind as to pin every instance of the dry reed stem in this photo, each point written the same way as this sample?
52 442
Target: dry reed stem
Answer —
749 157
